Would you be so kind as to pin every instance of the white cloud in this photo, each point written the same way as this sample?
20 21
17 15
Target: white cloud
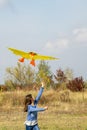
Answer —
61 43
80 35
77 37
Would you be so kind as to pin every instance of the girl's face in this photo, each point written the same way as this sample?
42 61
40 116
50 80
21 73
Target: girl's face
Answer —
32 99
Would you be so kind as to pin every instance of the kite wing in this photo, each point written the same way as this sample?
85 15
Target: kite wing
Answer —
43 57
21 53
31 55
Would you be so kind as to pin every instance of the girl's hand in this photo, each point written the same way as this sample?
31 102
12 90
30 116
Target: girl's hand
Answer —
46 107
42 84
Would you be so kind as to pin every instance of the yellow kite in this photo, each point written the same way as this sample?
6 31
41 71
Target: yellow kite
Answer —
30 55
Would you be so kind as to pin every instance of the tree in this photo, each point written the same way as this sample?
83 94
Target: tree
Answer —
60 76
69 74
21 75
44 74
60 79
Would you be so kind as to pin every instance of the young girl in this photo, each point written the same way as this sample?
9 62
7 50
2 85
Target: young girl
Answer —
32 110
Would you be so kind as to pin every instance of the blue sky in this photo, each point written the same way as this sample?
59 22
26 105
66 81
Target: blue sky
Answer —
49 27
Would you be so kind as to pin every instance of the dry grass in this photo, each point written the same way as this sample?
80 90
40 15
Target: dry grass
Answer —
66 110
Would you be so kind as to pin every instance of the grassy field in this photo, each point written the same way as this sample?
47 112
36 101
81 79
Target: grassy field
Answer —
66 110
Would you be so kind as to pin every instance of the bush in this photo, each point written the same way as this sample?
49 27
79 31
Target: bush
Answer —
75 85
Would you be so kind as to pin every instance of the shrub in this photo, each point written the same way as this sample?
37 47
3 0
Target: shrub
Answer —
77 84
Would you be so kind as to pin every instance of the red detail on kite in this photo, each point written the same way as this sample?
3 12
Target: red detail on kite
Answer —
32 62
21 59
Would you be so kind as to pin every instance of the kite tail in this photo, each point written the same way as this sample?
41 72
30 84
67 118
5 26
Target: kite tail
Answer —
32 62
21 59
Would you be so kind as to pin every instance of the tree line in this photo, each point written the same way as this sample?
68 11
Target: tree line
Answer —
23 76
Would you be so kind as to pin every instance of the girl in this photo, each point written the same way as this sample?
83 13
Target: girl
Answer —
32 110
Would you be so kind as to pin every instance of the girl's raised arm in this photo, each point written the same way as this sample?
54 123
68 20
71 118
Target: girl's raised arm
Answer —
39 93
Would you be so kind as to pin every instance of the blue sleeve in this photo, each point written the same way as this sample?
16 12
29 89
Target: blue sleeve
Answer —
36 109
38 96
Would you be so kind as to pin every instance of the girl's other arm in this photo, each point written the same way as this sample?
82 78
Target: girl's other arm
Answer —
37 109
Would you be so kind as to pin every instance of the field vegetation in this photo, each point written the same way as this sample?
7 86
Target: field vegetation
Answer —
64 94
66 110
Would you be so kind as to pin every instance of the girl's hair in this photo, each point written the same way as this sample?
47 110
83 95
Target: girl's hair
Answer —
27 102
